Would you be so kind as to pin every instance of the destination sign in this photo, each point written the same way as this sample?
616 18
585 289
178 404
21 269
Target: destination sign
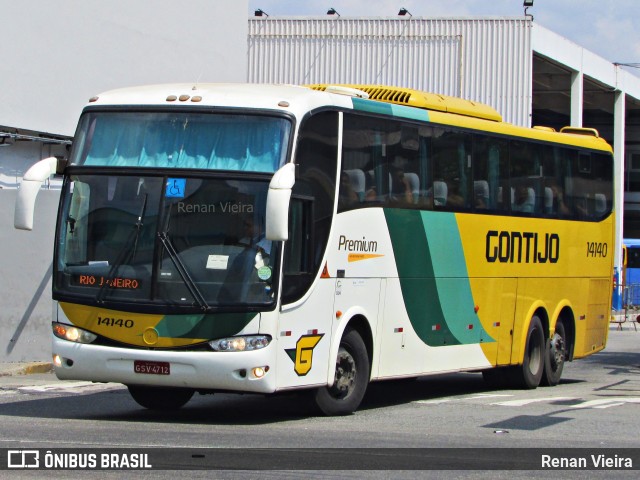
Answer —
98 281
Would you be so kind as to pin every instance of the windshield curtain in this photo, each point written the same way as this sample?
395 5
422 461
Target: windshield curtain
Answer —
249 143
162 240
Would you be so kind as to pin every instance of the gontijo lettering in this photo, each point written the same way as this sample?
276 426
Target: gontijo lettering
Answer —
522 247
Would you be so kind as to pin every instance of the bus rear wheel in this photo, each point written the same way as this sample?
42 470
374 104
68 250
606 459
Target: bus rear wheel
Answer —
555 356
351 378
160 398
529 374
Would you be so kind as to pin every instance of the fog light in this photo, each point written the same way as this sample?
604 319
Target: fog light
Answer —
57 361
259 372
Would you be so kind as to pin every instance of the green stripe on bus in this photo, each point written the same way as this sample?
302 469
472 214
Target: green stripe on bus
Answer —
390 109
416 276
433 277
452 276
209 326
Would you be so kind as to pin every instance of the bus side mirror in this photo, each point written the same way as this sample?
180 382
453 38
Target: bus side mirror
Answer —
277 221
29 188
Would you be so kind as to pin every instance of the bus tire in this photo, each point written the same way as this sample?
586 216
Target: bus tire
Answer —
351 378
555 356
160 398
529 374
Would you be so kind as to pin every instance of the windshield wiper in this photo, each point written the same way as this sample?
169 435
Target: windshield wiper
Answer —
125 254
180 267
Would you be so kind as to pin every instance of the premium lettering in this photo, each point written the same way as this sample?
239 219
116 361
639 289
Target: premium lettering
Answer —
522 247
363 245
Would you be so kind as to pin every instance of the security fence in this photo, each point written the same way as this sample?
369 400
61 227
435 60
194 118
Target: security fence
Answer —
630 301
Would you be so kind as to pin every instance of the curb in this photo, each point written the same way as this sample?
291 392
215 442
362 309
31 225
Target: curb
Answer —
39 367
26 368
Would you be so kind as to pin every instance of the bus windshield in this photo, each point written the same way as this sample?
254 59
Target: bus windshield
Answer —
254 143
166 241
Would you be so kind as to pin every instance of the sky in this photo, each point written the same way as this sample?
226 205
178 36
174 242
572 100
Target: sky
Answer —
609 28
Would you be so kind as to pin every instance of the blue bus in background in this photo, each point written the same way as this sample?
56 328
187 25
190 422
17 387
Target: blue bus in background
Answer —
631 272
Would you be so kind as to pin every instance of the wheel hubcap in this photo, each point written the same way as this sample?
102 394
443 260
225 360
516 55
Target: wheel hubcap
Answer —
345 375
557 351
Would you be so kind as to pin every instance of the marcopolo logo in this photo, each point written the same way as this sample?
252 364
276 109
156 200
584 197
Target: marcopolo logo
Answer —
522 247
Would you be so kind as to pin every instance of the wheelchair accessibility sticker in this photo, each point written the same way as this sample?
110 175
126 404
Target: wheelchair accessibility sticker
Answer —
175 187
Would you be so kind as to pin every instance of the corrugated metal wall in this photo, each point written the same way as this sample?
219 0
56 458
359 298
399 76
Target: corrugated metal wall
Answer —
487 60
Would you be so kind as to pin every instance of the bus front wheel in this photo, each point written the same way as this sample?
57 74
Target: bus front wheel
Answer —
351 378
160 398
529 374
555 355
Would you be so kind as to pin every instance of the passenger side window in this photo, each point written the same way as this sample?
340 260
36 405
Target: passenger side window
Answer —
525 177
555 201
452 169
311 207
398 164
384 163
588 180
490 173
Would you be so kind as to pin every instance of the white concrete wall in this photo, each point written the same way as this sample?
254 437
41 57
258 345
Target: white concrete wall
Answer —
58 54
25 280
14 161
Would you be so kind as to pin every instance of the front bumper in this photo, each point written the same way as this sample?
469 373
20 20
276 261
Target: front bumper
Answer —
232 371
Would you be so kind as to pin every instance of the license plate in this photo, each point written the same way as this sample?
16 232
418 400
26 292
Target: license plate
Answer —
151 368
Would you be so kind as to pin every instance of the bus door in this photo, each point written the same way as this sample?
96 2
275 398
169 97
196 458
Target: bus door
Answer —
306 318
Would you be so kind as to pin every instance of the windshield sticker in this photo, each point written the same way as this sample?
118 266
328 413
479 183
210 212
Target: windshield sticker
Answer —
175 187
264 272
217 262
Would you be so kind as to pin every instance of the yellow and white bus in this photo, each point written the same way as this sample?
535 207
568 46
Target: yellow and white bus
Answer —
257 238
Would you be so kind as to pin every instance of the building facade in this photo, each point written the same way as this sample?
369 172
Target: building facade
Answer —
530 74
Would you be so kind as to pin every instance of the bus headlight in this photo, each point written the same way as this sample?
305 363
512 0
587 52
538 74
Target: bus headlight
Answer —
72 334
240 344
